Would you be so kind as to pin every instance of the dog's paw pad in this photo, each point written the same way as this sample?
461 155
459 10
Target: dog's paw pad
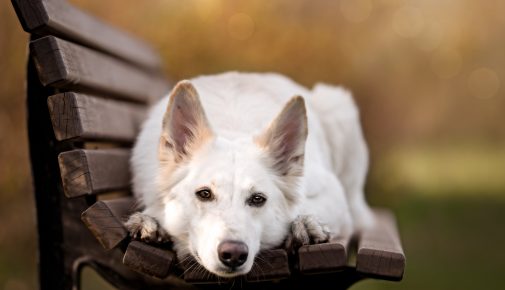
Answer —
305 230
146 228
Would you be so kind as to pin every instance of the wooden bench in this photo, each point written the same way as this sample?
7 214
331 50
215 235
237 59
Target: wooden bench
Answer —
88 89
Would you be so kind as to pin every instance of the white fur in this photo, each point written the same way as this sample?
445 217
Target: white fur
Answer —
239 106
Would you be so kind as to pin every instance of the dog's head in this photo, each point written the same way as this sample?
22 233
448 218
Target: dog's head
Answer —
224 200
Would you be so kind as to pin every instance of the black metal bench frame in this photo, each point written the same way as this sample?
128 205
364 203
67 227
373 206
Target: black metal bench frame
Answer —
87 94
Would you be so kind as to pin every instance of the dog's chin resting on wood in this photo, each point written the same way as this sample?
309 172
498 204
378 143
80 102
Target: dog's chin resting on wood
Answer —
231 164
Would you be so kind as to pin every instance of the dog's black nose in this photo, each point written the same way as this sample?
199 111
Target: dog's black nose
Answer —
232 253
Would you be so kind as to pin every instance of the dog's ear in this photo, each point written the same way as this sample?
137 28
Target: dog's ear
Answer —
185 126
285 137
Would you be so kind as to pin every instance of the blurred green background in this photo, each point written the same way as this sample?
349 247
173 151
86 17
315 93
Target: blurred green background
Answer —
428 77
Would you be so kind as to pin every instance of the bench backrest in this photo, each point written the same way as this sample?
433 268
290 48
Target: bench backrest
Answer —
88 88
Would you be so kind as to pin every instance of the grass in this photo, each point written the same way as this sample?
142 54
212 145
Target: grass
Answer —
439 170
451 243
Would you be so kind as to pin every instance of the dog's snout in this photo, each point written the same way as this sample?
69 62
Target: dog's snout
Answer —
232 253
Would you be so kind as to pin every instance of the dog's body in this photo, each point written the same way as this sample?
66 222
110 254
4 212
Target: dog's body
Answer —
215 174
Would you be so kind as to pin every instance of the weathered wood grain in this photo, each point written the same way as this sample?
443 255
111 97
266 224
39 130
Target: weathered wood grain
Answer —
63 64
149 260
105 220
94 171
195 273
269 265
83 117
380 252
61 19
64 242
321 258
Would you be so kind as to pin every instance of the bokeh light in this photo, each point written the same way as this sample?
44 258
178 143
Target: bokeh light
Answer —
432 36
408 21
356 10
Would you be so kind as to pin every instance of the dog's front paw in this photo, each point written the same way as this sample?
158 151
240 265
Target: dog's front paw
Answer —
146 228
305 230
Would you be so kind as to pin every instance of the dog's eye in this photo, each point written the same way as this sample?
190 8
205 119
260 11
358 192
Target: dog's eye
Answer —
204 194
257 199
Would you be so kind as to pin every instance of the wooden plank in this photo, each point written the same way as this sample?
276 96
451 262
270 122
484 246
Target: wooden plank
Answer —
69 66
94 171
105 220
269 265
150 260
82 117
196 274
322 258
380 252
59 18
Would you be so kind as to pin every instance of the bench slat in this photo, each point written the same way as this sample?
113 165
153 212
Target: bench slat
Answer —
195 273
105 220
59 18
66 65
380 252
82 117
150 260
326 257
94 171
268 265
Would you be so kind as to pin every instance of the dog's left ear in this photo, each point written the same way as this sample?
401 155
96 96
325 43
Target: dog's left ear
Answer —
185 125
285 137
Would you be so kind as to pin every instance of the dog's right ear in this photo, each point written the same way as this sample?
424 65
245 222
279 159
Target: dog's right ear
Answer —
185 126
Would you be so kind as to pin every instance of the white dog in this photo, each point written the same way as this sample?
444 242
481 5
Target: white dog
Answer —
231 164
